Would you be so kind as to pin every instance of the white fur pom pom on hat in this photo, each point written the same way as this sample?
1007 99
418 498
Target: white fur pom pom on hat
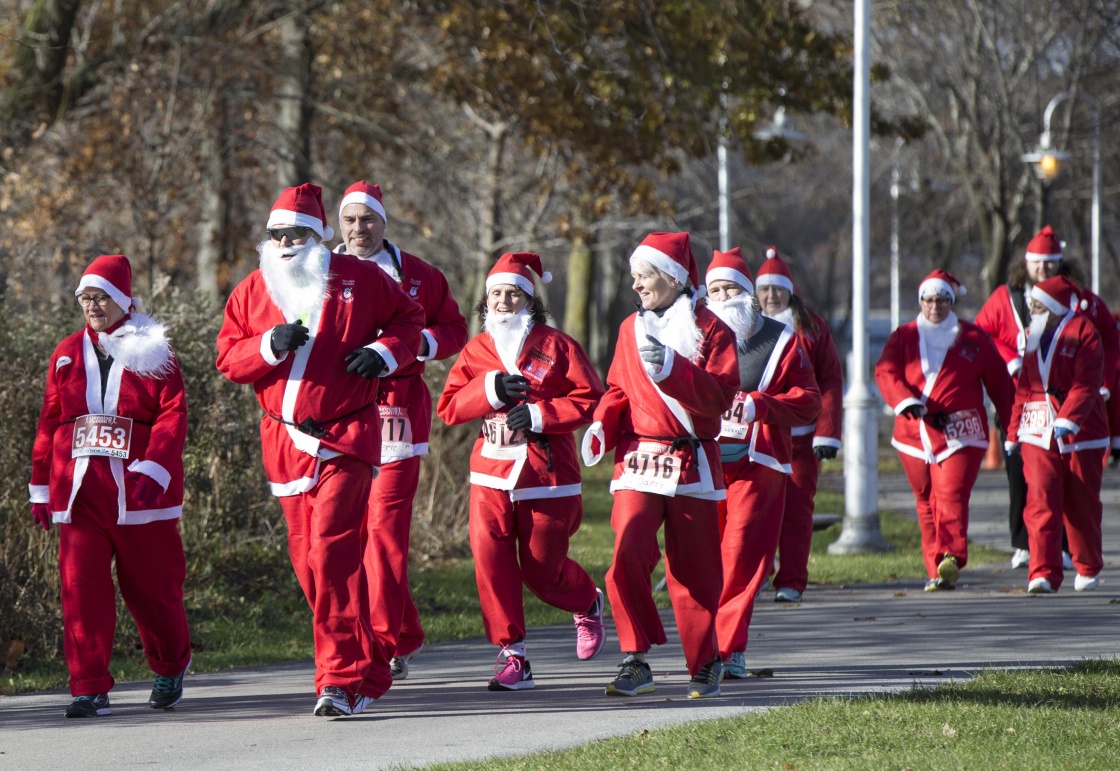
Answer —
546 277
771 253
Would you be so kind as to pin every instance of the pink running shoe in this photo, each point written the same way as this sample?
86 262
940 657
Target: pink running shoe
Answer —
514 675
590 634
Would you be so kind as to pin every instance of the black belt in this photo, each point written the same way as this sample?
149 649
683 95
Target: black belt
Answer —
312 427
542 441
675 442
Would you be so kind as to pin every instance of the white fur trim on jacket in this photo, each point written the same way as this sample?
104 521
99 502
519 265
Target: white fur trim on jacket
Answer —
152 469
595 430
141 346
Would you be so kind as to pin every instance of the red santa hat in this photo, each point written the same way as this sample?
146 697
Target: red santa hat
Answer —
730 266
774 271
1044 247
301 207
365 194
112 274
517 269
1059 295
670 253
941 282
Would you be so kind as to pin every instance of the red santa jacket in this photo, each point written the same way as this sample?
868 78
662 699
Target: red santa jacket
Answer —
1063 389
404 401
821 350
640 418
786 396
563 390
154 402
951 395
310 386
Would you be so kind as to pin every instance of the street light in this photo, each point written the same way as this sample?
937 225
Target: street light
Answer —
1047 163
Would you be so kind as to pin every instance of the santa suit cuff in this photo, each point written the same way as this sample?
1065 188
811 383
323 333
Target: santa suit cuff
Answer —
42 493
1063 423
390 359
898 408
751 409
266 351
152 469
666 367
1014 366
433 346
537 426
590 456
826 441
1106 393
1009 447
492 391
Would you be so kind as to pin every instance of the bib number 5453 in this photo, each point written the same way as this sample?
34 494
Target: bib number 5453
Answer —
105 435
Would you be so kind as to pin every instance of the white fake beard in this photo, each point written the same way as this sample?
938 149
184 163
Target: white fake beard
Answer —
1034 332
786 317
296 285
508 330
676 328
741 313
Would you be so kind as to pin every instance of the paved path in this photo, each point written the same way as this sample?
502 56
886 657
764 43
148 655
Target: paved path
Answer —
840 641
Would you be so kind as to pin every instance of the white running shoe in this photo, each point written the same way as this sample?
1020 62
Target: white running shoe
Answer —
1039 586
1067 561
1086 583
787 594
1020 559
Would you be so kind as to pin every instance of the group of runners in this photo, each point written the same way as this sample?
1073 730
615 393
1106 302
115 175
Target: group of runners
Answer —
718 410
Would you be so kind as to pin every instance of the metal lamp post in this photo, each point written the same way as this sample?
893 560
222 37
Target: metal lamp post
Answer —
860 531
1047 163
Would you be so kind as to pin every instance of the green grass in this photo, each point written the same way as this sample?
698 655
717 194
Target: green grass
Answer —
1040 719
264 619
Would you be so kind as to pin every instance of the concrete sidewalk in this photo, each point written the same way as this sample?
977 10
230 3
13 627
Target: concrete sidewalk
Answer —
849 640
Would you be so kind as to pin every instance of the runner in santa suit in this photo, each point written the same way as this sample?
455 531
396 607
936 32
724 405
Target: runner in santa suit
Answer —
313 332
405 407
930 374
674 374
777 390
813 442
532 386
107 465
1059 419
1006 316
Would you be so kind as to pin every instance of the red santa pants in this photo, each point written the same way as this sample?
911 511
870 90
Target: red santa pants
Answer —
796 538
151 568
385 555
524 542
941 491
1063 486
325 546
752 521
692 569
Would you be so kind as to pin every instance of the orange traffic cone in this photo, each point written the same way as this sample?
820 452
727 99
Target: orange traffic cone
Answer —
993 458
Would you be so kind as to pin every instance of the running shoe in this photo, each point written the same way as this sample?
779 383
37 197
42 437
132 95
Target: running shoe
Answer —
1067 561
398 665
1020 559
937 585
634 677
93 705
1086 583
705 683
948 570
168 691
787 594
590 634
1039 586
735 666
333 702
514 675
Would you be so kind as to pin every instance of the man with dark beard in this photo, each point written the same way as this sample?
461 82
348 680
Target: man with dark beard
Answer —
312 332
777 391
1059 419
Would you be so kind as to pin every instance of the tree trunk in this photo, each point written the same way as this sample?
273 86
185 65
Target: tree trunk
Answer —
294 119
212 211
489 197
603 291
40 60
578 305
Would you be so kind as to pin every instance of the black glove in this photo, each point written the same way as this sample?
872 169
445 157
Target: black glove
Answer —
366 362
288 337
912 412
511 389
937 419
519 418
1115 456
653 352
824 452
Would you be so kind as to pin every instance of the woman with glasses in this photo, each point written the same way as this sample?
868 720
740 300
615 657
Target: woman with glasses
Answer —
107 466
931 373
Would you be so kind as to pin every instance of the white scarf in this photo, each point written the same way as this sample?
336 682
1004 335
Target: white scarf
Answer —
938 339
1035 331
676 328
741 313
299 284
786 317
508 331
140 345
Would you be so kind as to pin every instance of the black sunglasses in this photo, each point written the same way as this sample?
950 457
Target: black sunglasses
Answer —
292 233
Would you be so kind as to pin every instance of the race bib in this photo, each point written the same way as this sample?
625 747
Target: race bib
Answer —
651 469
500 441
1035 418
734 420
109 436
396 433
962 427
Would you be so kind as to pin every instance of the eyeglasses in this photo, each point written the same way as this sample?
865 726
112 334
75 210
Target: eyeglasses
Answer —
936 301
292 233
101 300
